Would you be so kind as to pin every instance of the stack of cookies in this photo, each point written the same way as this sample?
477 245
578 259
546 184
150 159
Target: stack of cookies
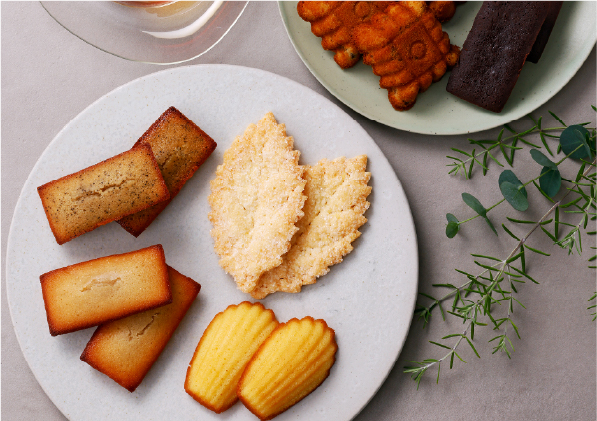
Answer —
279 225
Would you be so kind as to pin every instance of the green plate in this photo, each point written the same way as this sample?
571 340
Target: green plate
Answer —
437 111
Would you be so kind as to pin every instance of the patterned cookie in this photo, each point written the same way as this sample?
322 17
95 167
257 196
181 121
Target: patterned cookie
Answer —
333 22
336 200
227 345
406 47
291 363
256 199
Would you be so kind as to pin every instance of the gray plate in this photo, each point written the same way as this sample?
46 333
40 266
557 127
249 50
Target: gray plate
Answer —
368 299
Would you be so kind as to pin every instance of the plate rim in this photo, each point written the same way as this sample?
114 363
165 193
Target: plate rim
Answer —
582 58
410 225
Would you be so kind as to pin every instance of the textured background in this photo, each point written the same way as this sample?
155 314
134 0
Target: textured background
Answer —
49 76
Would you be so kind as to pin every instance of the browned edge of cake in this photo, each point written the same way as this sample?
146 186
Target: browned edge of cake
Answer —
63 239
43 278
135 228
280 326
193 286
193 395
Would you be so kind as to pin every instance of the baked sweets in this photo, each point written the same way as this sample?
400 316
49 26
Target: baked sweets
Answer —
125 349
102 193
179 147
97 291
442 10
495 50
545 32
291 363
406 47
333 21
256 199
336 200
224 350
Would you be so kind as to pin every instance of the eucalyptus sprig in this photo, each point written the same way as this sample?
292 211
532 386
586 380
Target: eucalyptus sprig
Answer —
488 150
478 300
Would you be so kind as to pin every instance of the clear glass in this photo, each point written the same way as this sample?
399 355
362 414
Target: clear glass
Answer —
149 32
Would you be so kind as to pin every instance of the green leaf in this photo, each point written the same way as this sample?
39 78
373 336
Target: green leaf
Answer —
474 204
490 225
514 196
451 218
574 143
453 226
550 181
542 160
509 176
452 229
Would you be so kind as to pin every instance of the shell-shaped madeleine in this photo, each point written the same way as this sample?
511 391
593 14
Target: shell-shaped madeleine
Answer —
290 364
225 348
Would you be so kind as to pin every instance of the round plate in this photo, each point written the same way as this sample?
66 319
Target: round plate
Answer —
368 298
436 110
159 33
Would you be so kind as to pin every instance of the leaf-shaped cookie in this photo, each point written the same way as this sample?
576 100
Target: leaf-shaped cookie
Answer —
256 199
336 200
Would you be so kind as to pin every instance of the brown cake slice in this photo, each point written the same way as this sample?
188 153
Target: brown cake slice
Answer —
97 291
125 349
179 147
102 193
407 48
495 50
545 32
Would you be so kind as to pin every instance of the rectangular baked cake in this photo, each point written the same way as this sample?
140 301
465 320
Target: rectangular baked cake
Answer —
495 51
179 147
125 349
90 293
117 187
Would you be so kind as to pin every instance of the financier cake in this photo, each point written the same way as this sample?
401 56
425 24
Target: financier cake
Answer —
336 200
256 199
291 363
179 147
125 349
225 348
97 291
102 193
407 48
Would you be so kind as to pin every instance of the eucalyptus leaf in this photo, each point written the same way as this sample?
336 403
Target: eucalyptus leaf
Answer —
550 181
509 176
514 196
490 225
452 229
474 204
574 142
542 159
451 218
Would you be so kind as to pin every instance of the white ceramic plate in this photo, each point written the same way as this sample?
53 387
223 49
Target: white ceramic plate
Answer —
437 111
368 299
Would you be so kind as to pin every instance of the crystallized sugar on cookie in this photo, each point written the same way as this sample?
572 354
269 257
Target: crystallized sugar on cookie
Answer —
336 200
256 199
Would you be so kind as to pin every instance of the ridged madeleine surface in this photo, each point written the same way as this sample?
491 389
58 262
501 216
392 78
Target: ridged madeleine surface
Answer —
225 348
290 364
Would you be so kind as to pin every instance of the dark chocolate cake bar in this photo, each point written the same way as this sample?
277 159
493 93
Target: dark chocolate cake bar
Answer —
495 50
